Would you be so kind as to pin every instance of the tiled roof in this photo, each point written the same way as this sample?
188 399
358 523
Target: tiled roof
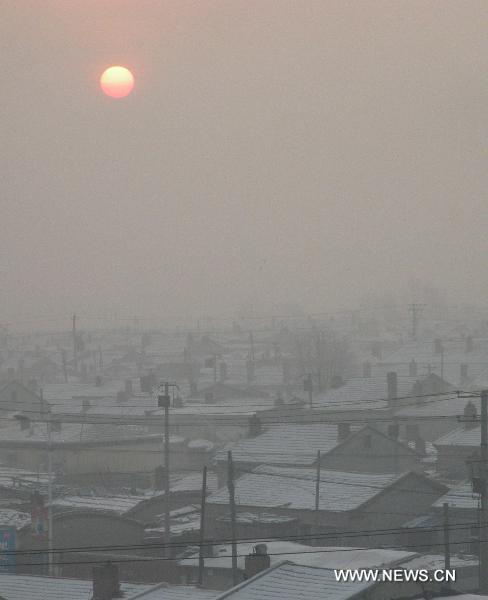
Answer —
27 587
459 496
287 581
274 487
314 556
461 437
166 591
362 393
293 444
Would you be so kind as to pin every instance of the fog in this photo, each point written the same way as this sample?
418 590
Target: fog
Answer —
272 152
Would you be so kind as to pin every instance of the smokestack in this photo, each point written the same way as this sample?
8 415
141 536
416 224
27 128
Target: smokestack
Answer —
259 560
412 368
367 369
128 388
106 584
392 385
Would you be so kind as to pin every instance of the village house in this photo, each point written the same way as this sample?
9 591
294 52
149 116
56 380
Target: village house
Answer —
458 451
342 446
347 502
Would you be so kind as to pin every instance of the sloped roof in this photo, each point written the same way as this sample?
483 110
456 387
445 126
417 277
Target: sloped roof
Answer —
461 437
459 496
167 591
295 444
300 554
27 587
294 488
287 581
362 393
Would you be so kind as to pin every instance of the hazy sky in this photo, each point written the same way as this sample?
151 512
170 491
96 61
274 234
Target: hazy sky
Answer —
272 151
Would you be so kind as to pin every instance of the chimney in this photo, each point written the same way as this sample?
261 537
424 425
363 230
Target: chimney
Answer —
249 370
438 346
470 413
278 401
343 431
159 478
367 369
24 422
412 368
128 388
392 385
85 405
259 560
464 372
394 431
223 371
121 397
106 584
255 427
98 381
420 446
56 425
469 344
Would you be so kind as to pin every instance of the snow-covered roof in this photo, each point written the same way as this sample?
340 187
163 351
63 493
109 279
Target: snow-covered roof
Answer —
78 433
461 437
13 518
27 587
287 581
167 591
294 444
459 496
113 504
294 488
451 407
300 554
362 393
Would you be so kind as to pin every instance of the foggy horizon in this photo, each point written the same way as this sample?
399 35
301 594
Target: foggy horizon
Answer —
272 153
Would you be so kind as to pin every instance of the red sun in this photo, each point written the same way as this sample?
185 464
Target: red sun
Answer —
117 82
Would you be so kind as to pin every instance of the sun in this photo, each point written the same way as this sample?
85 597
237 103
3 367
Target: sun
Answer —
117 82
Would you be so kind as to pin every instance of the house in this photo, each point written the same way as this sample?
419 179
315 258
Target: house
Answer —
347 502
82 449
218 560
458 451
342 447
166 591
17 397
27 587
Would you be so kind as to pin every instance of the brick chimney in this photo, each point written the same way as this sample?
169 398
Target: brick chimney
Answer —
343 431
106 584
259 560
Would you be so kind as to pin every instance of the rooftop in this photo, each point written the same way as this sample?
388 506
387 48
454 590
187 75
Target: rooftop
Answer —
274 487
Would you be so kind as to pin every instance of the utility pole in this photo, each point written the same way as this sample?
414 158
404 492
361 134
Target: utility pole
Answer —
201 561
164 401
308 387
232 504
317 483
415 309
75 345
484 495
447 550
49 499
